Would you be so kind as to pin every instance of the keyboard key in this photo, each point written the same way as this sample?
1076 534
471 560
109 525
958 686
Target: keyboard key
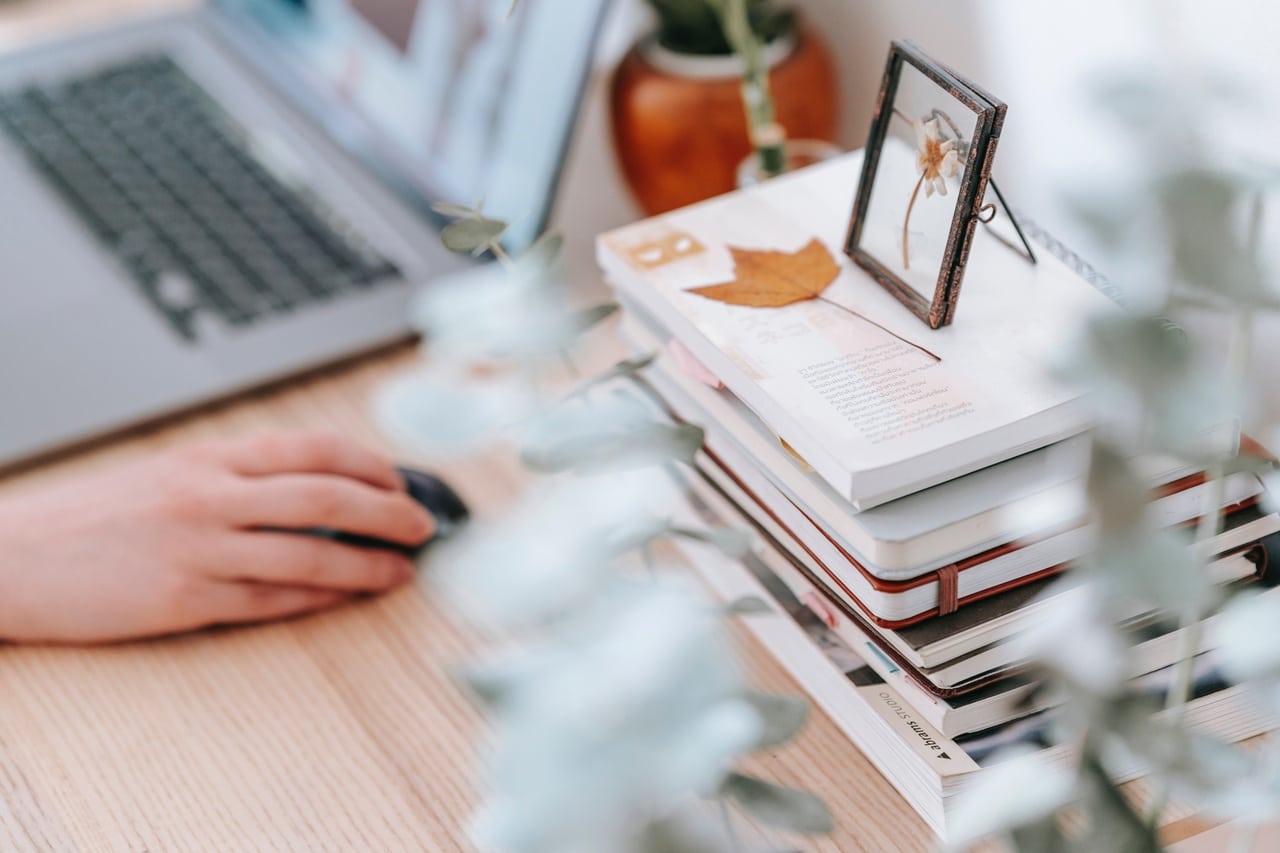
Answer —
164 178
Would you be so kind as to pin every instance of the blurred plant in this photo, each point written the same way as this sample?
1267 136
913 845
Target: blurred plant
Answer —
616 698
748 41
1183 235
694 26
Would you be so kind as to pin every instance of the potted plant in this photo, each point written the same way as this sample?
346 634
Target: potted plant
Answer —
677 102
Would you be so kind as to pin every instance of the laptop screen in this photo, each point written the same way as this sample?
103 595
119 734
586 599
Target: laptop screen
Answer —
451 100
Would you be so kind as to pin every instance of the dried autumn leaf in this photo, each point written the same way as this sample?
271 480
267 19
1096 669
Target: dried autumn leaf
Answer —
772 279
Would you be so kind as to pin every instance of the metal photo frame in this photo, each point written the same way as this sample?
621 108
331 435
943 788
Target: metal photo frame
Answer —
976 153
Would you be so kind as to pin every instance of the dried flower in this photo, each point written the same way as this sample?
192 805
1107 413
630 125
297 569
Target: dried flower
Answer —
937 160
936 157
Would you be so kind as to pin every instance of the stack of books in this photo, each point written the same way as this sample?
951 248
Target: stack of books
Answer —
916 493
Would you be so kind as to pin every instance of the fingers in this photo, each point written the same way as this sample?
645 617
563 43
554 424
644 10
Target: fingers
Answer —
299 501
307 453
293 559
252 602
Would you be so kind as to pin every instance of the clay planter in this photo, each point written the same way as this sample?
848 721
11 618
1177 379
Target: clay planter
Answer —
678 124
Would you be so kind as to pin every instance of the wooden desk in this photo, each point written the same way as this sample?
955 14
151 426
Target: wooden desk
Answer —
341 731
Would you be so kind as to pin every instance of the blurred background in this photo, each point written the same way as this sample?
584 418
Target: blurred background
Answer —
1039 58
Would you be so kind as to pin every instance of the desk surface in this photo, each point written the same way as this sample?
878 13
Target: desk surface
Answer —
339 731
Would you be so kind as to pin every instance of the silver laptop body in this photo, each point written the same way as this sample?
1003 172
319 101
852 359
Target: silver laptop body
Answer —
81 353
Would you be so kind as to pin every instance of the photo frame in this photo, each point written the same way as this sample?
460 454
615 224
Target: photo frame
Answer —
933 137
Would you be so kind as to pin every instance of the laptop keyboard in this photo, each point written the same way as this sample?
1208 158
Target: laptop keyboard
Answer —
167 181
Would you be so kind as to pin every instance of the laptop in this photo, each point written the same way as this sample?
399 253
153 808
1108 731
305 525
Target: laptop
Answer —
203 202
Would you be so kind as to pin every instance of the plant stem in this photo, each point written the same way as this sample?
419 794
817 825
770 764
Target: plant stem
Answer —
570 365
767 136
906 221
501 254
735 843
866 319
1207 527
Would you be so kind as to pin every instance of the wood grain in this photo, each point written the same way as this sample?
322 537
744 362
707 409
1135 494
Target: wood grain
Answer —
342 731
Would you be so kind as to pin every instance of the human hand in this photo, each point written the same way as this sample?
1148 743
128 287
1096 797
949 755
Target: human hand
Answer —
198 536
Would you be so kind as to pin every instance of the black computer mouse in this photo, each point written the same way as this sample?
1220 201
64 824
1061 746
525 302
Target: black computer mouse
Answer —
432 494
437 498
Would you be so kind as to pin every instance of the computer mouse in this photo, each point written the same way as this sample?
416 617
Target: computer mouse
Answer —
438 498
432 494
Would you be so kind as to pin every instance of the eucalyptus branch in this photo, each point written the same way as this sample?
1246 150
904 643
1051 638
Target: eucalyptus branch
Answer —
501 254
1208 526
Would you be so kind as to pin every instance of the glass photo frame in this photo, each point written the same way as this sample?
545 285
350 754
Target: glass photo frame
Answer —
924 177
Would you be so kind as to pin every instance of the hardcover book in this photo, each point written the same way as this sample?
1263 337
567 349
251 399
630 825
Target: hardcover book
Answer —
878 404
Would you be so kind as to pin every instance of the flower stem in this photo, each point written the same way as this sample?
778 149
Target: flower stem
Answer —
864 318
906 221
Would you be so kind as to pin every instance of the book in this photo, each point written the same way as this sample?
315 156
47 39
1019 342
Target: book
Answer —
969 673
934 643
896 604
909 536
1007 697
926 767
879 409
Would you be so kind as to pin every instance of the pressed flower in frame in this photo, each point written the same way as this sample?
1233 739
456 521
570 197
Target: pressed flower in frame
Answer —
937 159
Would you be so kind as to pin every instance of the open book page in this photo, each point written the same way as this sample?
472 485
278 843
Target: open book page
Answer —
854 374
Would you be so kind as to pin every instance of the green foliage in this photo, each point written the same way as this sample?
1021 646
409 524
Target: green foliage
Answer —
747 605
693 26
731 543
472 235
589 318
621 700
783 716
778 805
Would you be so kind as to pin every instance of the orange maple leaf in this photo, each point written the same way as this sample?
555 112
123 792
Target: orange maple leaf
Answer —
765 278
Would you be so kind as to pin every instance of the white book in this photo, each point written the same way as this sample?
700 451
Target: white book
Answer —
912 535
926 767
892 605
876 417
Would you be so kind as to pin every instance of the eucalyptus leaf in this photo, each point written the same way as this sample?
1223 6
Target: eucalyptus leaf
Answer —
747 605
491 687
1117 494
1210 250
730 542
629 367
1241 634
638 533
589 317
470 235
616 449
784 716
1021 788
776 805
675 836
1040 836
456 211
545 250
621 370
1113 827
1157 569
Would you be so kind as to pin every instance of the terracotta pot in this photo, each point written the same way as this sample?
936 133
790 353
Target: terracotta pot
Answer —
678 124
